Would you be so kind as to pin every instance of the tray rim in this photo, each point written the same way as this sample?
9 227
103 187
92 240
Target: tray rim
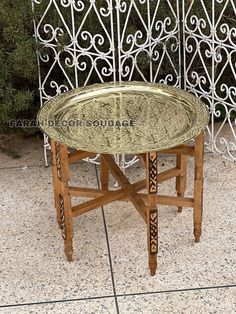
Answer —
111 86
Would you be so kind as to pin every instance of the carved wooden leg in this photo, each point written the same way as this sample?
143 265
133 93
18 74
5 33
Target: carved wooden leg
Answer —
65 211
152 213
181 163
67 225
198 186
56 171
104 173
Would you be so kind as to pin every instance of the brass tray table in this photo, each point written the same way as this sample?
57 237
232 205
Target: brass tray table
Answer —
126 118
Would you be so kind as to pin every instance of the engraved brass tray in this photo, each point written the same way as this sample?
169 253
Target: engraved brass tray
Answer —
127 117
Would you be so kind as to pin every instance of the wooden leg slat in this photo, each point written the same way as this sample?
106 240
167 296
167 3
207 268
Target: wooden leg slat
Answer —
198 186
124 182
104 173
181 164
79 155
62 197
97 202
56 180
152 212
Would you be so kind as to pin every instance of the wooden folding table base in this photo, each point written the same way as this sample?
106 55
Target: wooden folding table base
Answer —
145 203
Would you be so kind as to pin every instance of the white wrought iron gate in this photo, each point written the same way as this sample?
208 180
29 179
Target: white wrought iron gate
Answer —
190 44
210 66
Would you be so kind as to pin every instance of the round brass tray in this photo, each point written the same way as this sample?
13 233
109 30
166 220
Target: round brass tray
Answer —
127 117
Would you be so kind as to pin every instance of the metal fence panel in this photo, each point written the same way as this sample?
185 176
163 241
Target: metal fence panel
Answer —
190 44
210 67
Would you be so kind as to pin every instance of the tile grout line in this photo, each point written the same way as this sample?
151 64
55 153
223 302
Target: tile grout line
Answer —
22 167
56 301
108 246
177 290
118 295
37 165
110 262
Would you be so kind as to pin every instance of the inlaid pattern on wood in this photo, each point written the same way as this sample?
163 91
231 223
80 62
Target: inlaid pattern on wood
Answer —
153 231
152 167
62 213
58 160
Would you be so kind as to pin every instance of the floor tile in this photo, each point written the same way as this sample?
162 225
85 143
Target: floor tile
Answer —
33 267
182 263
99 306
210 301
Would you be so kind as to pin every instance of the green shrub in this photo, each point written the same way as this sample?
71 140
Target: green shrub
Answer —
18 75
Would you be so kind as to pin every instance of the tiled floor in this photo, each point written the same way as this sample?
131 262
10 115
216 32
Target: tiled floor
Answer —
110 273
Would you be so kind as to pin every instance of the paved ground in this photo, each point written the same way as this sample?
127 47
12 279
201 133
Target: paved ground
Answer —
110 273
